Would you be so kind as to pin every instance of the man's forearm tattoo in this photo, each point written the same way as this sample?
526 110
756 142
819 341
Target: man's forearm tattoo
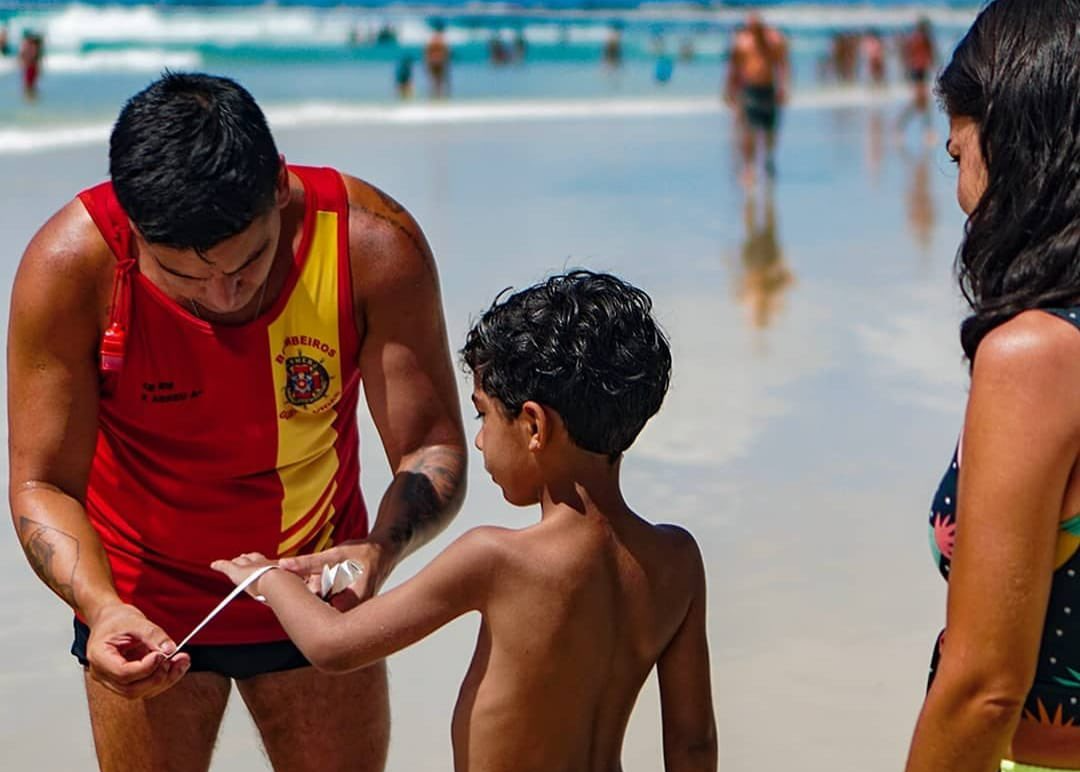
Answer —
428 488
53 554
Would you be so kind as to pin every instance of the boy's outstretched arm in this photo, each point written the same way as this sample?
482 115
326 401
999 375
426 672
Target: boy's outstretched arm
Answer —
685 687
452 584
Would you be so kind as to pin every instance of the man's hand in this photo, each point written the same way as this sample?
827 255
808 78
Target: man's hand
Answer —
376 559
127 653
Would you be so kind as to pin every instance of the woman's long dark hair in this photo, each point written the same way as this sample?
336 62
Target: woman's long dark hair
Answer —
1017 74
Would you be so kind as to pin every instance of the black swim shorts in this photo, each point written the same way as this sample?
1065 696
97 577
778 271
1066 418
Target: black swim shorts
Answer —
760 106
239 661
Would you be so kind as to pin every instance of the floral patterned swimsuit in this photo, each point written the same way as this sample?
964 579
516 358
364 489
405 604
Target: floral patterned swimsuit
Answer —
1055 695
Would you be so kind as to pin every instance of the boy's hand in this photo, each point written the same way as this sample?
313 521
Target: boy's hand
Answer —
239 568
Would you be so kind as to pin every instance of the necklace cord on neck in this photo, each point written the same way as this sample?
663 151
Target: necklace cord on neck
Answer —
258 306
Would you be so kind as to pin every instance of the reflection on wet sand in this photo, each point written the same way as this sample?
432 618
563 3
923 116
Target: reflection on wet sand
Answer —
764 276
875 146
920 205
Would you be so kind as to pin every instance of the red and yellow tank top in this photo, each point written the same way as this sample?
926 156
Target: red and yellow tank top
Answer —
215 440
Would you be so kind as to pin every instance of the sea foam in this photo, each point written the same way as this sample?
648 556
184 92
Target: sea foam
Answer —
326 113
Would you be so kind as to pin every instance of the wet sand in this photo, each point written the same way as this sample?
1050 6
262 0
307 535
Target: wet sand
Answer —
818 389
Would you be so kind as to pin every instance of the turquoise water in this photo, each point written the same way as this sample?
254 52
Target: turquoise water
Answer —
291 56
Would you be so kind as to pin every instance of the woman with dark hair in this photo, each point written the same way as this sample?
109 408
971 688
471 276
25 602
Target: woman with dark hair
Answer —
1005 680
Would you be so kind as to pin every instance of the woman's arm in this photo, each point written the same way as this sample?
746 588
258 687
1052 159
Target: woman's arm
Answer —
1021 440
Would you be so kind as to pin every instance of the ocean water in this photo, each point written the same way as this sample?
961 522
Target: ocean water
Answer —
325 62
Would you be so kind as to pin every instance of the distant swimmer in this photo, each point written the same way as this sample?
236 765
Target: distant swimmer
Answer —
873 49
613 48
498 52
665 68
845 59
31 53
5 42
437 62
686 50
757 85
920 59
521 46
356 36
403 76
386 35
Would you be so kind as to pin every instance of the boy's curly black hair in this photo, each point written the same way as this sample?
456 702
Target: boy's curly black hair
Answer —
582 343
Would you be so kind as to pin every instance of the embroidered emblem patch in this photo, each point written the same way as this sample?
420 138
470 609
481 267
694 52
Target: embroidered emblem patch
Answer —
306 380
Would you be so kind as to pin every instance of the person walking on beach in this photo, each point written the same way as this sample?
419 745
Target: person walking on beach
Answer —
437 62
403 77
920 58
185 351
757 85
520 46
613 49
498 51
873 49
1005 677
577 609
31 53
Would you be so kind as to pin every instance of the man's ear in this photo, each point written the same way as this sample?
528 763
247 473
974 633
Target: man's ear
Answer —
282 194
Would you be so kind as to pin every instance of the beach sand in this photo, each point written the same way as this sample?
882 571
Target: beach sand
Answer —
801 441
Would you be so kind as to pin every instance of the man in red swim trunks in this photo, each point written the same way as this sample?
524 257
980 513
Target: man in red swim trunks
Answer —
31 52
185 352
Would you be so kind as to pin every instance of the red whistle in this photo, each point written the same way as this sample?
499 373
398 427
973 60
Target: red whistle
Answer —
112 348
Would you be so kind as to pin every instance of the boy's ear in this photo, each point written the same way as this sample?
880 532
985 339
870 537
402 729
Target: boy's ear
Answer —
537 424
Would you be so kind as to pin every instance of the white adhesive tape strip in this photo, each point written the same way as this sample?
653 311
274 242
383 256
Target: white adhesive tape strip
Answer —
252 577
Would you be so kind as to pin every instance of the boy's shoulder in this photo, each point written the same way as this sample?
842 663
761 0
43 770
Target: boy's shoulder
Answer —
682 545
674 537
483 540
475 557
677 534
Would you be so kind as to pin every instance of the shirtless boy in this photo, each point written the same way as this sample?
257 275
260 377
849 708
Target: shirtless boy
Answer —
576 609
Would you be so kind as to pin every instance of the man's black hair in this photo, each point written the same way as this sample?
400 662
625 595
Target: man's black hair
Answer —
584 344
192 160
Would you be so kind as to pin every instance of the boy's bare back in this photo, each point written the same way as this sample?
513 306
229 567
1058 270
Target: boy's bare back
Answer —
581 608
577 609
